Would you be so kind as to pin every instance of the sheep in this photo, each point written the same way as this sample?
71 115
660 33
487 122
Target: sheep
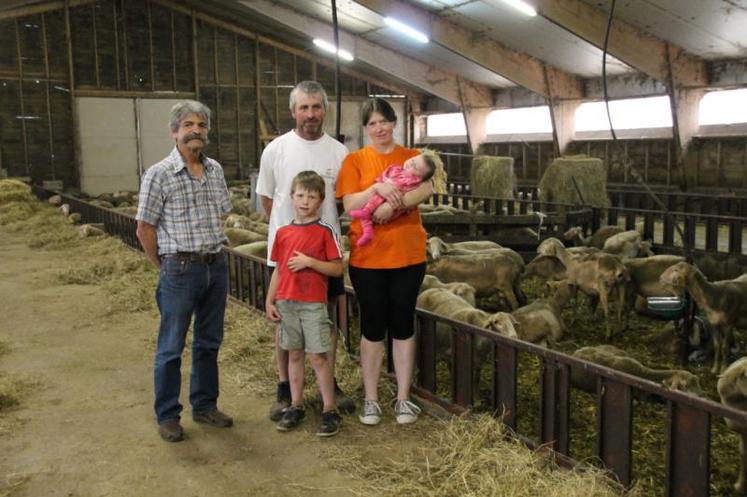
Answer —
488 274
444 303
257 249
545 268
538 322
724 303
627 244
596 240
732 388
464 290
87 230
244 222
437 247
614 358
65 209
55 200
238 236
597 275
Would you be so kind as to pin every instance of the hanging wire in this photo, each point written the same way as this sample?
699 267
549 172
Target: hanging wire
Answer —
627 162
338 86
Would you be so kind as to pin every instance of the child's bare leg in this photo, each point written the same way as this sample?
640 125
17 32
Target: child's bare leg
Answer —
295 375
323 371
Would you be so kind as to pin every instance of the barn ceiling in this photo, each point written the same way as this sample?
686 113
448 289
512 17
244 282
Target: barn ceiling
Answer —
479 47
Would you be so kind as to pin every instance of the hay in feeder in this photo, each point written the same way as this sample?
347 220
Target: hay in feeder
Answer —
12 390
492 176
590 175
12 190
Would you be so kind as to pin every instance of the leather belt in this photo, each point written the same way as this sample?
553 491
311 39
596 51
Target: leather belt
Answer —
196 257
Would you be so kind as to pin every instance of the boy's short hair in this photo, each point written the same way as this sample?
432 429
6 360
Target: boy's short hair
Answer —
437 170
309 181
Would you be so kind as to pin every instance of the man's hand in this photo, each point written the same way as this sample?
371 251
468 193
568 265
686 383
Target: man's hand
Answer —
272 312
299 261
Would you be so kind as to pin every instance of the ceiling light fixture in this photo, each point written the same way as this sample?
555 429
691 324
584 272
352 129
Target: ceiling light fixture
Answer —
522 7
405 29
329 47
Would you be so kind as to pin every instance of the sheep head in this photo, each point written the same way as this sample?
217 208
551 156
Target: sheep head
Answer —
550 247
575 234
645 249
464 290
504 323
435 248
674 279
684 381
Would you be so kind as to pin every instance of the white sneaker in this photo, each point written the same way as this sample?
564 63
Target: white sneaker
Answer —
371 413
406 412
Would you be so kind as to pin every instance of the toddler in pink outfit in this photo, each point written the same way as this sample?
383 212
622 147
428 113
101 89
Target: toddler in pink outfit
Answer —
405 178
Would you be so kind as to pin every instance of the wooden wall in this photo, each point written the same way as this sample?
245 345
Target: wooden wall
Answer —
142 49
712 163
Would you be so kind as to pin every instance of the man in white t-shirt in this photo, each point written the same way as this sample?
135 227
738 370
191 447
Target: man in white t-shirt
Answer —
307 147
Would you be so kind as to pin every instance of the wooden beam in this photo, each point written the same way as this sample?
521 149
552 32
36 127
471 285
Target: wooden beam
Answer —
41 8
626 42
475 116
562 116
518 67
406 70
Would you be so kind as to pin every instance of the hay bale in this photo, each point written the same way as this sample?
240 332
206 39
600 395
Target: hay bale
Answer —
590 174
492 176
12 190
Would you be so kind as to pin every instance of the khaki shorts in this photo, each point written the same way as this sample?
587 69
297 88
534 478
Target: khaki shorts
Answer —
304 325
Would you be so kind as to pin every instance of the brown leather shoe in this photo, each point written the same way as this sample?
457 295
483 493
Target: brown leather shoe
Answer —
213 417
171 430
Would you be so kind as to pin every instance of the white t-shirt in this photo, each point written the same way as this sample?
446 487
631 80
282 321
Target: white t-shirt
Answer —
282 160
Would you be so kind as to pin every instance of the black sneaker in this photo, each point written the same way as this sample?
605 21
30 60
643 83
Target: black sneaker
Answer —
344 403
282 401
292 417
329 425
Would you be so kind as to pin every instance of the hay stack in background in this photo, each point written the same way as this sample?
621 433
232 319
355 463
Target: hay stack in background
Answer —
590 174
492 176
12 190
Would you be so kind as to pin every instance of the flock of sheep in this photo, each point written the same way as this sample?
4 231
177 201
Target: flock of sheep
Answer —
612 267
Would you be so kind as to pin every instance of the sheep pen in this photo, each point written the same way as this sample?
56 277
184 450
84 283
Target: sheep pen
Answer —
513 469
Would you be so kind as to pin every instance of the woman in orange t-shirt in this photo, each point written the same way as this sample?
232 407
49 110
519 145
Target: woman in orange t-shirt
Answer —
387 272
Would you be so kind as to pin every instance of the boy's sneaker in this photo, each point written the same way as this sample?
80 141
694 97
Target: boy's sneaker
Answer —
406 412
329 425
292 417
344 403
282 401
371 413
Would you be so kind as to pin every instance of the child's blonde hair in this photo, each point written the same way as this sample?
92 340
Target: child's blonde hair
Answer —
436 164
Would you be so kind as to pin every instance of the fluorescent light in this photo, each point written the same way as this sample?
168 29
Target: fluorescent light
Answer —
405 29
329 47
522 7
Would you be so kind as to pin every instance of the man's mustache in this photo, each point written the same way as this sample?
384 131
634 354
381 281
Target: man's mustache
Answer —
195 136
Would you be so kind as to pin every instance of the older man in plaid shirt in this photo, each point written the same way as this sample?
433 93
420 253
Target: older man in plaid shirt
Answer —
179 226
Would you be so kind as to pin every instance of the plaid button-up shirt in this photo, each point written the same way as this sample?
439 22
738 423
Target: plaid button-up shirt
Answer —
186 211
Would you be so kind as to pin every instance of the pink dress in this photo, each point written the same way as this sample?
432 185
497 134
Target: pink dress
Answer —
397 176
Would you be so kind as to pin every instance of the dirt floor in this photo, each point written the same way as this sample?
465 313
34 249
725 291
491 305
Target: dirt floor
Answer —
84 425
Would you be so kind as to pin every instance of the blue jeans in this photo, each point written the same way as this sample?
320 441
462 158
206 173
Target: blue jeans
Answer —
186 288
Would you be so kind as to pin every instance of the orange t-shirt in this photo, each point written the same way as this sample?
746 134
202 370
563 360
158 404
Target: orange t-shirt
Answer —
398 243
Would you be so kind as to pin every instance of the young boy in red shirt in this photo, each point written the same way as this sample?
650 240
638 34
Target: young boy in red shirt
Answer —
306 252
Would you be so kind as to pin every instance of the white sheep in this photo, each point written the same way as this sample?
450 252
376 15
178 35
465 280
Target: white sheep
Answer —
238 236
627 244
436 247
576 234
538 322
724 303
598 275
488 274
461 289
618 359
732 388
